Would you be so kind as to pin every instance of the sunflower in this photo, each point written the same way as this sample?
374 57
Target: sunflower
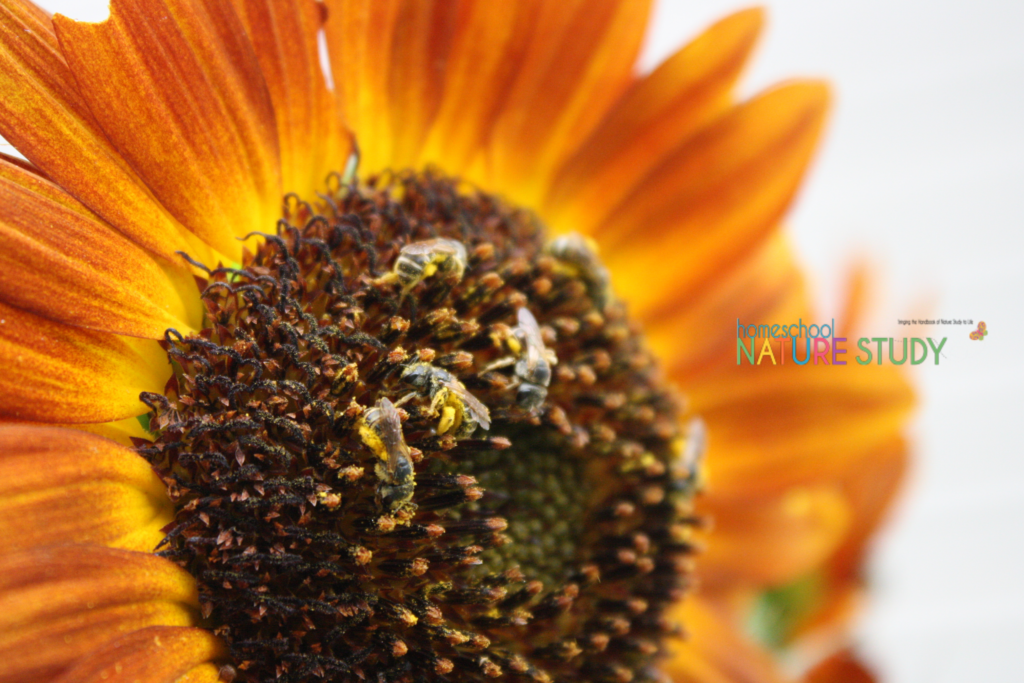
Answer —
326 374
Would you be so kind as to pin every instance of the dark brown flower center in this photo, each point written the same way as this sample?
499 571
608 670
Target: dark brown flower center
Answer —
416 441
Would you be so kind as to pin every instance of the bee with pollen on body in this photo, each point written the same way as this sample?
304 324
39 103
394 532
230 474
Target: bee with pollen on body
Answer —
459 410
380 428
420 260
531 361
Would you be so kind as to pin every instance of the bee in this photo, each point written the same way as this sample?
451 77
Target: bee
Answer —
690 459
460 411
531 361
381 430
578 255
419 260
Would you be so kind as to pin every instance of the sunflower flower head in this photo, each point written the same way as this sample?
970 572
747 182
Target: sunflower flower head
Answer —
281 407
528 516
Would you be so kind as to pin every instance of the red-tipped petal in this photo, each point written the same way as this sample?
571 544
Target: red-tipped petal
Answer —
177 89
63 263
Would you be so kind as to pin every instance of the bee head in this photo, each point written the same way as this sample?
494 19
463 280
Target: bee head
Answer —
417 374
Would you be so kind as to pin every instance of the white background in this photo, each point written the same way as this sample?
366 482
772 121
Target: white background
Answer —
922 171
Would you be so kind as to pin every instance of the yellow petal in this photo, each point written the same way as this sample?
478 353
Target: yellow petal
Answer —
63 263
46 119
176 88
56 373
715 199
311 134
653 117
61 603
64 486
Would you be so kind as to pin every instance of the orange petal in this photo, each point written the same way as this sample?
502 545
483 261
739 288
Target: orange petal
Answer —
311 134
45 118
63 263
359 36
699 335
63 485
176 88
871 485
419 51
654 117
579 61
486 52
842 667
62 603
779 426
714 200
159 654
55 373
715 650
770 540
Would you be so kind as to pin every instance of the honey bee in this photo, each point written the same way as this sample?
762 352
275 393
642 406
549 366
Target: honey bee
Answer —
531 361
381 430
578 255
459 410
419 260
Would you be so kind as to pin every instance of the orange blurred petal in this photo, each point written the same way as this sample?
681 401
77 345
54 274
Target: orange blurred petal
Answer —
770 540
55 373
176 88
159 654
311 134
714 200
52 240
61 603
715 650
579 61
46 119
654 117
840 668
698 336
777 426
63 485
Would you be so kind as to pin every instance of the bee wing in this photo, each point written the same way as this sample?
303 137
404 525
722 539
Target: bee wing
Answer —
390 430
531 330
477 410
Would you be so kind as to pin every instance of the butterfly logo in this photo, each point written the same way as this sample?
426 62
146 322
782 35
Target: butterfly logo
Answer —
980 333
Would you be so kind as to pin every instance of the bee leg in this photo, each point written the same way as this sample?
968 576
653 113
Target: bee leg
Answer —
405 399
500 363
440 399
447 420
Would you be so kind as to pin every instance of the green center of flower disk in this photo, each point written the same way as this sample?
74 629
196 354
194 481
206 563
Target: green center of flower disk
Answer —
419 440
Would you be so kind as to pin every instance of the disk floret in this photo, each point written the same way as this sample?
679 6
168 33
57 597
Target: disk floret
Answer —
413 443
